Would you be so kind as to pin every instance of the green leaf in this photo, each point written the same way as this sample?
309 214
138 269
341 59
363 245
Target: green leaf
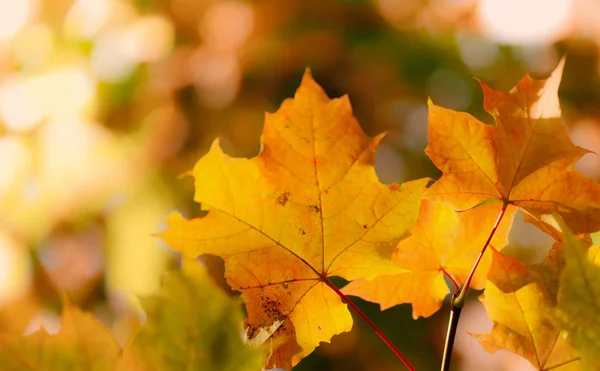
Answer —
578 309
595 238
191 325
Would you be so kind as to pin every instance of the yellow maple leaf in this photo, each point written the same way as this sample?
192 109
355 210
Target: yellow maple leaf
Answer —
520 300
442 241
524 160
308 207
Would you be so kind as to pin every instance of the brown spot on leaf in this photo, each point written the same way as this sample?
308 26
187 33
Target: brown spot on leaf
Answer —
302 231
251 331
283 198
272 309
365 226
314 208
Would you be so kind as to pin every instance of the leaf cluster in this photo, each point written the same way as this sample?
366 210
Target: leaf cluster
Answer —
310 207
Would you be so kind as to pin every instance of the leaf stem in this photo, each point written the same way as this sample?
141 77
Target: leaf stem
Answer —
458 301
370 323
463 292
456 285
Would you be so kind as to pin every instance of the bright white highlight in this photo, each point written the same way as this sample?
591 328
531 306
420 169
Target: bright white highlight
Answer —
25 102
14 15
525 21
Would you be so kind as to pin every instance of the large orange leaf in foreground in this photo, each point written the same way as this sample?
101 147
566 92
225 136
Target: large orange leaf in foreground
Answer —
525 160
442 240
309 206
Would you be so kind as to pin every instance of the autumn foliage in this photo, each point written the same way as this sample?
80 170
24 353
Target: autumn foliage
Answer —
310 207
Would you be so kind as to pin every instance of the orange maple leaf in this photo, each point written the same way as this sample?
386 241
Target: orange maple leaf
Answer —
521 301
82 343
442 240
309 206
525 160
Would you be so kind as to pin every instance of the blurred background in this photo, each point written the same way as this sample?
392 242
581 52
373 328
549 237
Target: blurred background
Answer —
104 103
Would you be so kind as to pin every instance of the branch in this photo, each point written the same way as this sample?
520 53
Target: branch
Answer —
458 301
451 334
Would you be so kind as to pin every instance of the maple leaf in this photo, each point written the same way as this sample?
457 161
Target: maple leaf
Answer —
82 343
579 301
520 299
191 324
441 240
309 206
525 160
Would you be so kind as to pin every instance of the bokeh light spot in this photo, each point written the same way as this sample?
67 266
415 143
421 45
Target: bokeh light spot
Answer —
148 39
227 24
14 269
12 147
33 45
25 102
14 15
525 22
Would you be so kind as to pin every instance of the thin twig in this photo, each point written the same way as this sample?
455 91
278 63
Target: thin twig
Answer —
451 334
370 323
458 301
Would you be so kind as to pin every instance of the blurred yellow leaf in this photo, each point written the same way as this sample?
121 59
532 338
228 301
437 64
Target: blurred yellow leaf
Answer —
82 343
